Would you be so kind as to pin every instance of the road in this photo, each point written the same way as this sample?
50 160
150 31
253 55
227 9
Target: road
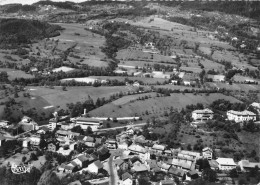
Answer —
121 127
112 171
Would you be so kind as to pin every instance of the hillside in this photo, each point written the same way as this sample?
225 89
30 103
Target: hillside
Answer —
154 105
18 31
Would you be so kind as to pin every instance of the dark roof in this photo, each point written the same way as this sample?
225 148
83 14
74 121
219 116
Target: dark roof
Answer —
45 128
80 138
102 150
82 158
176 171
98 164
126 176
134 159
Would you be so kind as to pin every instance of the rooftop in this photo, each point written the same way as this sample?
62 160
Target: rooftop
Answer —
241 113
226 161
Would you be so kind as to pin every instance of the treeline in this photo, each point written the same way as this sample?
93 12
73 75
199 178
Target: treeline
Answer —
245 8
64 5
14 32
14 8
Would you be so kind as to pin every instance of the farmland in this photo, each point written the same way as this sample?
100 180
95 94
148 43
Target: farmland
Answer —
12 74
155 105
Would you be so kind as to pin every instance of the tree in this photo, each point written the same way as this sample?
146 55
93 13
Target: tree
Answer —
64 88
33 157
89 131
209 175
233 173
78 129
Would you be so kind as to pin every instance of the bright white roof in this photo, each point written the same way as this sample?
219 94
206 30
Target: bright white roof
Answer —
226 161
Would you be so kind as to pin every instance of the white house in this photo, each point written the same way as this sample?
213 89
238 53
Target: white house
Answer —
207 153
127 179
204 114
139 150
122 145
95 166
226 163
245 165
238 116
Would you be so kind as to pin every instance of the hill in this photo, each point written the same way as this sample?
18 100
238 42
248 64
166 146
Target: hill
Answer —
154 105
18 31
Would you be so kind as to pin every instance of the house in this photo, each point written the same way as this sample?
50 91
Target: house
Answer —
122 145
43 130
139 168
213 164
226 163
77 182
68 134
140 151
135 160
111 144
127 179
152 165
3 123
136 84
120 164
207 153
217 78
95 167
103 153
81 161
167 182
158 148
84 123
89 141
177 172
34 69
66 125
65 151
163 166
35 140
28 124
204 114
180 163
67 168
53 146
246 166
240 116
186 153
190 175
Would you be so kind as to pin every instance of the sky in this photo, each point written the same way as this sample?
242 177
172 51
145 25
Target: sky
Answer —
3 2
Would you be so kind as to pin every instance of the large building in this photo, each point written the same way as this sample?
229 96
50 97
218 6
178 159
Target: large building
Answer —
238 116
84 123
202 115
226 163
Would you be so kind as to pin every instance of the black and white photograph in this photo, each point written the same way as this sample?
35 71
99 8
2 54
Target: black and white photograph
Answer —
129 92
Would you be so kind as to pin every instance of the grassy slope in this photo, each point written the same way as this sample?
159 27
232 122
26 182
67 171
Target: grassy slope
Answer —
156 105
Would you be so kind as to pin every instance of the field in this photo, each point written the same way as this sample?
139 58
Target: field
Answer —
235 87
84 43
155 105
149 81
12 74
58 97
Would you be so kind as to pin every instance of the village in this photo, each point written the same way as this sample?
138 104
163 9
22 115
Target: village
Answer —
74 145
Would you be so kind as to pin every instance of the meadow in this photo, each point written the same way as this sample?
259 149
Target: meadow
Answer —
156 105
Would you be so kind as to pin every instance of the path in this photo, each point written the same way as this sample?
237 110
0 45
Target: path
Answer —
121 127
112 171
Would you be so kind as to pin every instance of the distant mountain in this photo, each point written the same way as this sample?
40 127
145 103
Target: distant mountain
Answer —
14 32
29 2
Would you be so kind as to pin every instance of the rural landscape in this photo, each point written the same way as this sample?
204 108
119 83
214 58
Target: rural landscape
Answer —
129 92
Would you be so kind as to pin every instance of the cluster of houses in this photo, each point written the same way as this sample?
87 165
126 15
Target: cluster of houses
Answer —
149 156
